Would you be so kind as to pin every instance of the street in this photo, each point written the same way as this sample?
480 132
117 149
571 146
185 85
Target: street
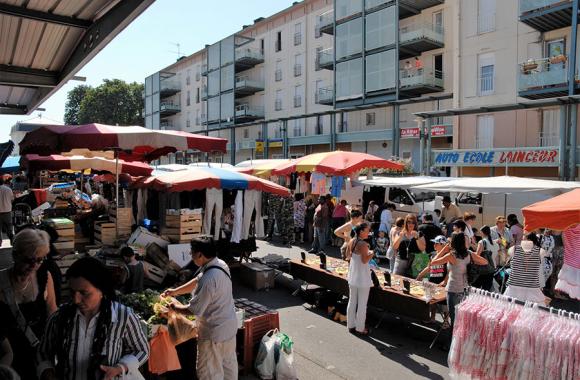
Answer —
323 349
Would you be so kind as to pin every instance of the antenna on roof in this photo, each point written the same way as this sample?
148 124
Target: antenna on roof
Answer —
178 52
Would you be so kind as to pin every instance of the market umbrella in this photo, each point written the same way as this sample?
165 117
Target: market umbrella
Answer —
133 142
260 168
337 163
199 178
34 162
558 213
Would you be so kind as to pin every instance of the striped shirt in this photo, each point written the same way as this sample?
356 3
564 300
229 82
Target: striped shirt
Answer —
126 343
572 246
525 268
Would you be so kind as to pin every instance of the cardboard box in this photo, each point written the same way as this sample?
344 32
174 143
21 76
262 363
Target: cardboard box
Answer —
141 238
153 273
257 276
179 254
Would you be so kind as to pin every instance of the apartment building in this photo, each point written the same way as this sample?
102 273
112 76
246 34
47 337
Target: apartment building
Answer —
277 88
511 52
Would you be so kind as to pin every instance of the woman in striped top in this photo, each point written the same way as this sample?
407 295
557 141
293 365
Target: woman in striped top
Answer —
94 337
524 281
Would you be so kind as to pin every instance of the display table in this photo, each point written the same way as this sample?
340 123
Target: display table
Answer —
388 298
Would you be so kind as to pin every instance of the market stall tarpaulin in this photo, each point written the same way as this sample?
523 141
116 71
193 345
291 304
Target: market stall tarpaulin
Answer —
199 178
34 162
136 143
260 168
498 185
337 163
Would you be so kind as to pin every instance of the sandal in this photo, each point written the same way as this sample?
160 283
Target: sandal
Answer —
365 332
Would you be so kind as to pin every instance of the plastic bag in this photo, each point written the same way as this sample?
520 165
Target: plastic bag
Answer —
265 363
285 369
162 354
420 262
180 328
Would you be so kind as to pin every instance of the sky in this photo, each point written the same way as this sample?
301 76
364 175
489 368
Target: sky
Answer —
148 44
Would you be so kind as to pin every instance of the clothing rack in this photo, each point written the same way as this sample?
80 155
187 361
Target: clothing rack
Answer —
552 310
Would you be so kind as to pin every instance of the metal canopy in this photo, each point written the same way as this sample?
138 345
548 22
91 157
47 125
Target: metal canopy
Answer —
44 43
501 107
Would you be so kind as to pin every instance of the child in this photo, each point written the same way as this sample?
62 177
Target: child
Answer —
134 283
382 244
437 275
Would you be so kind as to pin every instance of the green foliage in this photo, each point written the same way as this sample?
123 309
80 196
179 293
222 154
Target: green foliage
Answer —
113 102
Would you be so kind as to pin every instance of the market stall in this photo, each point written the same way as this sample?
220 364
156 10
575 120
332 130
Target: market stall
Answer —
415 302
260 168
561 213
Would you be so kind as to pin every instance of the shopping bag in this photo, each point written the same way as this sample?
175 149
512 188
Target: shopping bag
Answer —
285 369
180 328
265 363
162 354
420 262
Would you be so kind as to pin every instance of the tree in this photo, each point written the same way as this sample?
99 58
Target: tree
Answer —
113 102
73 104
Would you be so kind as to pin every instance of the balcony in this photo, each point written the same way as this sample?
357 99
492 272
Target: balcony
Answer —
325 23
417 82
246 86
246 58
543 78
546 15
325 59
169 87
169 108
167 125
408 8
419 38
246 113
325 96
297 69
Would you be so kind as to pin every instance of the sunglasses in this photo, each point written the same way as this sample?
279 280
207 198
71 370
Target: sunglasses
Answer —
36 260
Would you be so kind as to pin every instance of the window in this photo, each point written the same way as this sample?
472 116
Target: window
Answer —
188 99
346 8
188 122
486 16
484 132
349 38
317 86
262 45
319 125
197 95
197 118
438 21
318 54
278 72
550 131
278 103
349 79
197 73
188 78
380 28
343 123
298 65
381 71
400 196
246 133
486 74
278 44
297 128
298 96
370 116
297 34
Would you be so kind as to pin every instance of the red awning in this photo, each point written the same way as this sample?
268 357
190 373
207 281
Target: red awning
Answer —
34 162
558 213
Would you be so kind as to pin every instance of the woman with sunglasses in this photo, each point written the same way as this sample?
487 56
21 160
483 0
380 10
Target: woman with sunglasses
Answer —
27 298
407 242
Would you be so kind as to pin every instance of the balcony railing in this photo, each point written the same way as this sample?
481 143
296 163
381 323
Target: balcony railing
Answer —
543 73
248 86
421 31
325 58
278 75
325 95
169 86
166 125
325 23
534 5
278 105
297 69
244 54
370 4
297 38
169 107
548 139
421 78
297 101
246 110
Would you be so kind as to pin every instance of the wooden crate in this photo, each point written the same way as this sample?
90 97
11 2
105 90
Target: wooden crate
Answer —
154 273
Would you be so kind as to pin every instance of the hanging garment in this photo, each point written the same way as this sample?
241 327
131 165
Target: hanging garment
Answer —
524 281
293 180
252 201
318 182
238 218
569 276
213 198
337 185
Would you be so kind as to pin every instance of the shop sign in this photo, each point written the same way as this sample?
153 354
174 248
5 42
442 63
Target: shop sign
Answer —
259 146
436 130
275 143
498 157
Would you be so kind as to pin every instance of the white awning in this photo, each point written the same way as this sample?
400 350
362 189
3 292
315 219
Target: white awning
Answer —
403 182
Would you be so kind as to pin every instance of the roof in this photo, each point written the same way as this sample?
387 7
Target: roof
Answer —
44 43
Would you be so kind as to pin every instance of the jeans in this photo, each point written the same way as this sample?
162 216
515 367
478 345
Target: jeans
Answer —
356 310
453 299
319 242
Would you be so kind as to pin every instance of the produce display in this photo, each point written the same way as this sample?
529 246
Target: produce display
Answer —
151 306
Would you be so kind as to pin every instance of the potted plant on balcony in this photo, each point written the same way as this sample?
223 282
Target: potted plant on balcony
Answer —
560 58
529 66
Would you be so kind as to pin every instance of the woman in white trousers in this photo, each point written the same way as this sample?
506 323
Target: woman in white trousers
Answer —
359 280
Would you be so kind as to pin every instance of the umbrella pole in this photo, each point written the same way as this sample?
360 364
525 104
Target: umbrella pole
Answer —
116 194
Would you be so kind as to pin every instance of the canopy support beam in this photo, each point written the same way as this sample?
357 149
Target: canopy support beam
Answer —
51 18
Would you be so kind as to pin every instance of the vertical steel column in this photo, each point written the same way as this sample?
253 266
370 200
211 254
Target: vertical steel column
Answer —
421 147
396 131
233 145
285 147
571 87
428 127
572 142
573 50
563 135
332 132
265 140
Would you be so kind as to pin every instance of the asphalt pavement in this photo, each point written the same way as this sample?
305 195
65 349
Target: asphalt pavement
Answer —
323 349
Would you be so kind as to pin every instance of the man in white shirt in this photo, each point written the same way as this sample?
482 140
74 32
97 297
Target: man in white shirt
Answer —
6 198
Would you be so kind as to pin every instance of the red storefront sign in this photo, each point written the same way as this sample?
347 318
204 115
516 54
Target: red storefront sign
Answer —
436 130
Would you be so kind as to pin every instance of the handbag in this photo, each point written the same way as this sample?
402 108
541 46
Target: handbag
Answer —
475 270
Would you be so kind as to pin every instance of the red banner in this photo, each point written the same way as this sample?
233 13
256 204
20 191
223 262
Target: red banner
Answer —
436 130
